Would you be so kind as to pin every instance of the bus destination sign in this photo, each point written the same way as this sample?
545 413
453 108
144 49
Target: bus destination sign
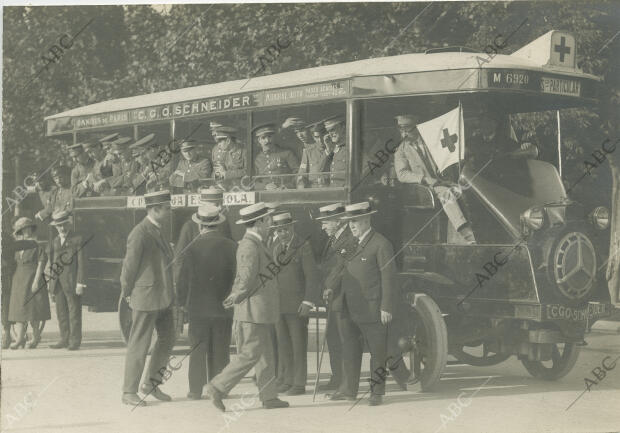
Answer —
532 81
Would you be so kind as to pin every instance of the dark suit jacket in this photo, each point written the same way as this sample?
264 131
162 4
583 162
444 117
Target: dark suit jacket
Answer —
71 257
367 280
298 276
146 275
207 275
258 299
333 259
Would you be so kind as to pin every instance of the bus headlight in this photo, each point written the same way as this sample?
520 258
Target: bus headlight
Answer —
534 218
600 217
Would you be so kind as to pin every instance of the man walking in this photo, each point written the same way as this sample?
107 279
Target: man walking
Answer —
146 285
255 299
206 277
298 288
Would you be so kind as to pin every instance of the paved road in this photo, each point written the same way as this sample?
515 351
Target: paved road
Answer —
80 392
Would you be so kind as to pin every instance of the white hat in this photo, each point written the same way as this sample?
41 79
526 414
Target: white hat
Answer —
253 212
330 211
208 215
357 210
282 219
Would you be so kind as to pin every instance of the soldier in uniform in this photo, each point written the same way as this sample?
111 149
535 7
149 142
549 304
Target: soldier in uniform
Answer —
272 159
102 168
60 197
299 290
339 155
228 156
82 168
313 157
107 141
413 164
190 169
365 291
123 167
340 245
151 171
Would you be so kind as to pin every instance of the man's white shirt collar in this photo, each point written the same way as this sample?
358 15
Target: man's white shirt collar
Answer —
254 232
365 234
155 223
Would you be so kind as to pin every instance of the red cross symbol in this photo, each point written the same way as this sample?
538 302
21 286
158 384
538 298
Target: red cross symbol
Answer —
449 140
562 48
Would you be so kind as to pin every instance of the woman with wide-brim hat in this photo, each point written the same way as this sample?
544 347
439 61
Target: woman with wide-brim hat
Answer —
29 301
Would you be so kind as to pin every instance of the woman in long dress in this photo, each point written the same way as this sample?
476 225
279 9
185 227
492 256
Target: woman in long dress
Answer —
29 299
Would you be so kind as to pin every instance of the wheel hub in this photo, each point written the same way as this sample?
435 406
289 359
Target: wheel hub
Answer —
574 265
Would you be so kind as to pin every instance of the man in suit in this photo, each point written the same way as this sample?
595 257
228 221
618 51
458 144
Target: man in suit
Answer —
256 302
413 164
146 285
298 287
206 277
65 266
340 244
365 294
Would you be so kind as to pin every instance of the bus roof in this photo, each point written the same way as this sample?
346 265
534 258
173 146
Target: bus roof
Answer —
445 72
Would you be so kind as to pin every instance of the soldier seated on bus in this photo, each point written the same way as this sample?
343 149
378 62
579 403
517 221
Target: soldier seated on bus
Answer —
338 154
413 164
313 156
273 160
192 168
60 197
123 166
81 169
228 156
102 168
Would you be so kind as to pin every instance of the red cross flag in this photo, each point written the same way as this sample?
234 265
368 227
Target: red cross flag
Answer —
445 138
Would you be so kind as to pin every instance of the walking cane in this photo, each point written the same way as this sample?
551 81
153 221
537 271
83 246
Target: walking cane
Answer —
318 370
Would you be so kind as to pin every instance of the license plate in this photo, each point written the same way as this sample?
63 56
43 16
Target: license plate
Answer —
559 86
593 311
239 198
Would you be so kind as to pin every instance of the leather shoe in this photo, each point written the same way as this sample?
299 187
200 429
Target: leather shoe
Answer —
59 345
375 400
337 396
132 399
296 390
155 392
216 397
283 388
275 403
194 396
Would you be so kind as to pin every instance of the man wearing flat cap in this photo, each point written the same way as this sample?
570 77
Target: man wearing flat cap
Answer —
313 156
413 164
273 160
192 168
340 245
298 286
255 299
365 292
147 287
205 280
339 155
80 171
228 156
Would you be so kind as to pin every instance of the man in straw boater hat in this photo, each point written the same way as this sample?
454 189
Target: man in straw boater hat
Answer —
298 286
67 281
256 302
190 169
205 280
413 164
147 287
340 244
366 292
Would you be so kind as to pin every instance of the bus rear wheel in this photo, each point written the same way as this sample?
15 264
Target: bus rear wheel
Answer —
561 363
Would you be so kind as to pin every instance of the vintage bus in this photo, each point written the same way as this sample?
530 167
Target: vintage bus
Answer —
537 306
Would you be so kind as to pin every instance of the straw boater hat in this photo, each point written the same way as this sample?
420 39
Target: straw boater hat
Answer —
208 214
157 197
296 123
267 128
211 195
254 212
330 122
61 217
406 120
225 132
357 210
282 220
21 224
331 211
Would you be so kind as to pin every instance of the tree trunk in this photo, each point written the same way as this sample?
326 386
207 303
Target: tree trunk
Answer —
613 265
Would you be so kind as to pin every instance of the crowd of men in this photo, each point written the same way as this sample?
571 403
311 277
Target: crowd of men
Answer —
263 290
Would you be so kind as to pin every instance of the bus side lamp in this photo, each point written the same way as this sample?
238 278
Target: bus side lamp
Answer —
600 217
533 218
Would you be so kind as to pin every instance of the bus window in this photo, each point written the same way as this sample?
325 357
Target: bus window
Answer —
300 147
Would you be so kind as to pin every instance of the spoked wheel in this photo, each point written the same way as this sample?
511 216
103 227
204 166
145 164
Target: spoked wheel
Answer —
426 342
562 361
484 359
